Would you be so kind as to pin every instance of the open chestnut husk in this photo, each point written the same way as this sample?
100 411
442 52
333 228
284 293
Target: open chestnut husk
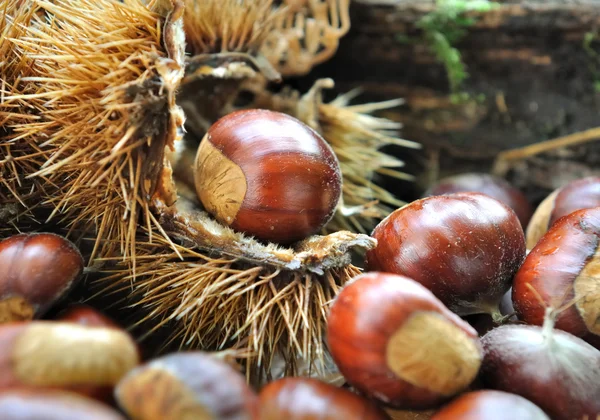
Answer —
464 247
580 194
186 385
393 340
564 266
490 405
488 184
551 368
35 271
306 398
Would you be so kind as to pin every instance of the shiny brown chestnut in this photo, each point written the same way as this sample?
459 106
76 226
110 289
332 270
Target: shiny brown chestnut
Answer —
490 405
49 354
267 174
491 185
555 370
393 340
35 271
583 193
409 414
464 247
86 315
186 385
564 265
306 398
52 405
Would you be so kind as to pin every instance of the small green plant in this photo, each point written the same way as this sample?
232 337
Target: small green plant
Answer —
590 42
443 28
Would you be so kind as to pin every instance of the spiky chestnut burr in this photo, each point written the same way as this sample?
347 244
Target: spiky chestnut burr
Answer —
52 405
35 271
48 354
192 385
108 131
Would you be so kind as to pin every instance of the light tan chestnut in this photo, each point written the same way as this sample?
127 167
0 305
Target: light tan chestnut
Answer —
55 354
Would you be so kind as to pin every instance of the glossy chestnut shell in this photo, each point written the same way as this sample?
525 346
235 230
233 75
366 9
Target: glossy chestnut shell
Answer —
564 266
35 271
555 370
186 385
464 247
306 398
267 174
494 186
583 193
395 341
490 405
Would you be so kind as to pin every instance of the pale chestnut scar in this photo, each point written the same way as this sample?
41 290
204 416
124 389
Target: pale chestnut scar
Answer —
15 308
64 354
587 292
430 352
155 393
220 183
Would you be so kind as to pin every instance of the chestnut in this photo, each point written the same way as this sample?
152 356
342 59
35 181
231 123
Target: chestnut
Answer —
48 354
86 315
90 317
393 340
577 195
35 271
490 405
306 398
267 174
551 368
52 405
464 247
186 385
491 185
409 414
564 265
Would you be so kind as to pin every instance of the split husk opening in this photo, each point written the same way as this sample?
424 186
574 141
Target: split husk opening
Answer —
94 99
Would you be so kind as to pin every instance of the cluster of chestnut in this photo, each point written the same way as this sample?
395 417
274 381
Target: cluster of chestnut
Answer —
399 333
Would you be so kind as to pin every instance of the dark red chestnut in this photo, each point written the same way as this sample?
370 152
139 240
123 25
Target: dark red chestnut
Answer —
35 270
86 315
564 265
267 174
490 405
551 368
580 194
491 185
395 341
306 398
192 385
464 247
52 405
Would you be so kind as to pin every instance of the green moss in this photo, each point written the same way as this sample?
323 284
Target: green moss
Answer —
443 28
590 44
